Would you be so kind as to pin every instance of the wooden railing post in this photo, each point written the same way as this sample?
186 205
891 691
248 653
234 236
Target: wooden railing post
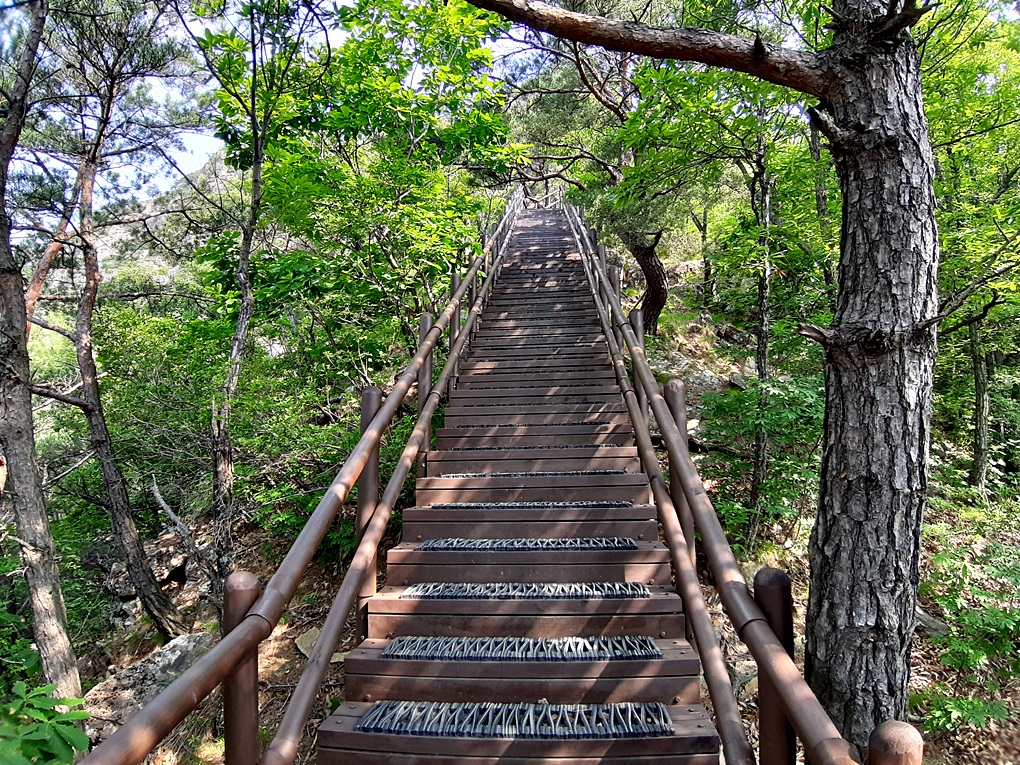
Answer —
454 328
424 390
614 281
368 498
603 288
673 392
895 743
241 687
637 321
777 742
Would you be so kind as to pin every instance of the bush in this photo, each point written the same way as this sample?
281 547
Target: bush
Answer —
34 730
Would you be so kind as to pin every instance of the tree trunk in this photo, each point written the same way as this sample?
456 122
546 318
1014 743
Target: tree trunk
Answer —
17 433
222 445
656 292
761 193
761 203
707 277
982 409
50 254
880 357
165 616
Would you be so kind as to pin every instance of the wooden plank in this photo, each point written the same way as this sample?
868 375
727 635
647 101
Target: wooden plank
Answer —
635 494
481 624
532 528
608 417
333 756
679 659
453 438
472 464
510 453
597 481
509 391
603 376
523 514
479 572
505 340
693 733
500 406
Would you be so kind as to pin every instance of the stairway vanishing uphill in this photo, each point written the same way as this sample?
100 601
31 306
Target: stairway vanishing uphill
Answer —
529 616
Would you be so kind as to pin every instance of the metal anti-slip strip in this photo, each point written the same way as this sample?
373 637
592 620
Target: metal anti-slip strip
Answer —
534 474
530 505
529 448
522 649
525 591
520 721
523 544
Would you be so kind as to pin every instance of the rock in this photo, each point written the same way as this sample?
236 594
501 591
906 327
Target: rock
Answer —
167 558
929 624
111 703
306 642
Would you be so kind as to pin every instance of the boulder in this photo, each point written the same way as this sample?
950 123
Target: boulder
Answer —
111 703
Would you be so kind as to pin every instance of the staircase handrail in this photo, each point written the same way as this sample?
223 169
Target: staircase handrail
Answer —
821 739
140 735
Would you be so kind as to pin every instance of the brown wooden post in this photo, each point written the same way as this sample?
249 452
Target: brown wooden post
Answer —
895 743
454 328
614 281
673 392
600 251
241 744
637 321
424 389
368 498
777 742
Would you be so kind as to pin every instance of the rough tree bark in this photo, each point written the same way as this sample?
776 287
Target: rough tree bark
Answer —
880 359
656 290
17 433
880 348
760 188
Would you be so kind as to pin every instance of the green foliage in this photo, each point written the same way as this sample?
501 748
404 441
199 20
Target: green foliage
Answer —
18 660
792 419
33 729
945 712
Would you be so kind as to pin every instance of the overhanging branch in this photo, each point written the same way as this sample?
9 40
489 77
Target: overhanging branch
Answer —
801 70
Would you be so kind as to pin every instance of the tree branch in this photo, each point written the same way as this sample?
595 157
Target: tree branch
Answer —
801 70
81 403
53 328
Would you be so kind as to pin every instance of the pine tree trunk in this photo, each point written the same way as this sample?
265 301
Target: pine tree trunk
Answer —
23 487
982 409
656 291
879 370
17 433
222 445
165 616
761 203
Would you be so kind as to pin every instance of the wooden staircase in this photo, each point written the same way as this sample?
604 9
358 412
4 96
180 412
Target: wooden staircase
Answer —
529 616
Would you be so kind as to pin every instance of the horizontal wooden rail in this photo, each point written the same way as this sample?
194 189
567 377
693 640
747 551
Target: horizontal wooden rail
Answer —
822 741
137 738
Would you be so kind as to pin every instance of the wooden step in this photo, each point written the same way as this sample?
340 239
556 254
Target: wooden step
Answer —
690 734
660 615
448 672
619 433
534 486
530 460
648 562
